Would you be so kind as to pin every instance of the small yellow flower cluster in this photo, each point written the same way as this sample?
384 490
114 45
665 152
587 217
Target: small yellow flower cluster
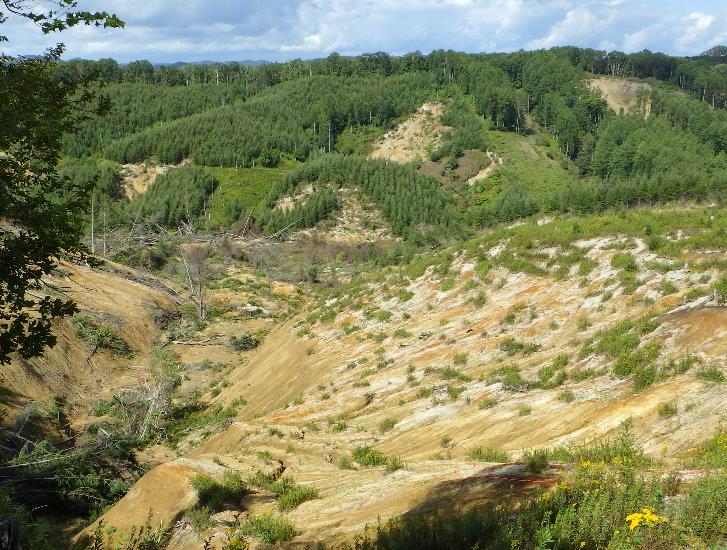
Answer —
645 516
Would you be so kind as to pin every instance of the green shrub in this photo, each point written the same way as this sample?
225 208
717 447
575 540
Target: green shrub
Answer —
216 495
618 339
292 496
344 463
536 461
711 374
393 463
488 454
512 346
447 285
268 528
720 290
97 336
637 361
583 323
387 425
454 391
479 300
487 402
667 410
566 396
509 377
339 425
451 373
713 452
244 342
405 295
625 262
288 493
460 358
199 518
383 315
694 293
667 288
366 456
276 432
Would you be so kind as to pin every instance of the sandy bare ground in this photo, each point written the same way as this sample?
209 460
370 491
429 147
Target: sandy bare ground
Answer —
295 379
622 94
136 178
412 138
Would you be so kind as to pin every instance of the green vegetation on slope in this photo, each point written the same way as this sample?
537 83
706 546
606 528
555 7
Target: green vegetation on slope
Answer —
239 191
294 117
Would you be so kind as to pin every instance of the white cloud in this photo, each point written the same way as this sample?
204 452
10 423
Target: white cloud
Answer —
166 30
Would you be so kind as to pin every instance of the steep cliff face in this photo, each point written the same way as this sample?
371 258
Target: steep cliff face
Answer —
80 369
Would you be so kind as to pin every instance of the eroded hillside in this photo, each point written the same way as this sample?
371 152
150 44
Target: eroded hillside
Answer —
548 333
624 96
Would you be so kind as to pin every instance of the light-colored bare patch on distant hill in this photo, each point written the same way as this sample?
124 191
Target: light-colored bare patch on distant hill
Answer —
358 221
622 94
412 137
136 178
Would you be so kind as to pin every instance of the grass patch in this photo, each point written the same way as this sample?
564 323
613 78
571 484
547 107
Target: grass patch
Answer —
667 410
387 425
488 454
288 493
711 374
513 346
216 495
268 528
98 336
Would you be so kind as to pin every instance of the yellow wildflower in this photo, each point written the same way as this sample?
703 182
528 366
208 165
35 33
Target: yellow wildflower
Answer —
645 516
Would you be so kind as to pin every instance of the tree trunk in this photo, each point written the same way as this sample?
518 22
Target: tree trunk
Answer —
93 235
9 534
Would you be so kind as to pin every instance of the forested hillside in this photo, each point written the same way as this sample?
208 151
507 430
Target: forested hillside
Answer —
583 156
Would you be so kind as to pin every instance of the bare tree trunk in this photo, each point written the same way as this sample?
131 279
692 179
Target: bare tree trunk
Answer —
9 534
93 236
104 233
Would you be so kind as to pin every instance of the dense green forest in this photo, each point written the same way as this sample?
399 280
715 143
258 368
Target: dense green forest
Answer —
178 196
704 77
294 117
238 119
139 106
411 202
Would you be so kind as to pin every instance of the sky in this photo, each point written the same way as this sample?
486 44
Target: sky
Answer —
228 30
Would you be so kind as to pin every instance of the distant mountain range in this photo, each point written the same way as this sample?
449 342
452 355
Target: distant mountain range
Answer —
251 62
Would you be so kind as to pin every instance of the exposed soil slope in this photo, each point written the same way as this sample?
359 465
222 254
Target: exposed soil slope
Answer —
118 297
622 94
319 387
412 138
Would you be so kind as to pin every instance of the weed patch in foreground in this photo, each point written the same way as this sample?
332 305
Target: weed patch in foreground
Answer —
594 505
100 336
288 493
215 495
268 528
488 454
